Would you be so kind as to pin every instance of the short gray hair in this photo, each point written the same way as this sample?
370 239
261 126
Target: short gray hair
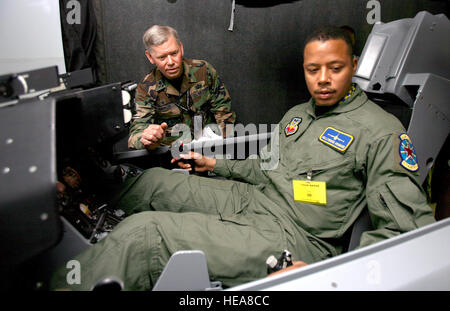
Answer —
157 35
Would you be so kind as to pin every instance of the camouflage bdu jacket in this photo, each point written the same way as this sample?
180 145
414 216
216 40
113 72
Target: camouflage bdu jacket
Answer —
202 93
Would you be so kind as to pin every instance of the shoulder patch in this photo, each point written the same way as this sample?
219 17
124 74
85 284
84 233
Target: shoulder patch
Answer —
336 139
292 127
407 153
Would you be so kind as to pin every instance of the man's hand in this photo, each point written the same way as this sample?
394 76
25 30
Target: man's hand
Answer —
295 265
153 134
202 163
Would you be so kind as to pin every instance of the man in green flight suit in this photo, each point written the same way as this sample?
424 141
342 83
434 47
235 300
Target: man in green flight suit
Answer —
338 153
176 91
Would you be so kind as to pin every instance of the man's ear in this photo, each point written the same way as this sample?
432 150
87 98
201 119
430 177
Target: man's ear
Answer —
181 49
354 64
149 57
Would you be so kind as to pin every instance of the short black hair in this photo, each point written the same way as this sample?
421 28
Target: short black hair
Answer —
326 33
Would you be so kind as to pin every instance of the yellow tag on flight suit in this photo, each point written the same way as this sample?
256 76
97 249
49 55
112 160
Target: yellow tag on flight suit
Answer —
310 191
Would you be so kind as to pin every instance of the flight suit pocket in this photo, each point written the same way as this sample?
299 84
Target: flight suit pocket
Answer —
324 167
339 178
229 197
398 200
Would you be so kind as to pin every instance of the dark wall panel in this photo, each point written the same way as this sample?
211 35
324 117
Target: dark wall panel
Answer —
260 61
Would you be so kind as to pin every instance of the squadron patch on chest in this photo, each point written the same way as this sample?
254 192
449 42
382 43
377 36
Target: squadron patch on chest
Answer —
336 139
408 154
292 127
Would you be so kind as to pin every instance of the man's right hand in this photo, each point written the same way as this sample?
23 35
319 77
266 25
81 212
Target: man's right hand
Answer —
202 163
153 134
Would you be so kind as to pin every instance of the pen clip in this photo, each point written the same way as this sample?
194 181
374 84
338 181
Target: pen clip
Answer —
309 175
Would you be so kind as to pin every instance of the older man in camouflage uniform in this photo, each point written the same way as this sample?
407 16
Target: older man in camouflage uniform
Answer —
176 91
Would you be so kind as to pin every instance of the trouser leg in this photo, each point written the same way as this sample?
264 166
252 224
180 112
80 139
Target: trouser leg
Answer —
165 190
124 254
138 249
227 220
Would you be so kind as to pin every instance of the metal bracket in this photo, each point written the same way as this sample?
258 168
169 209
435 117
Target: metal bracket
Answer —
186 270
233 6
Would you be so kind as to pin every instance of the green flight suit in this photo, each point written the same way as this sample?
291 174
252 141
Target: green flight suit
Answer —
201 93
239 223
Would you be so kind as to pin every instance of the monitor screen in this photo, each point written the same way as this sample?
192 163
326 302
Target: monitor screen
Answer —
33 32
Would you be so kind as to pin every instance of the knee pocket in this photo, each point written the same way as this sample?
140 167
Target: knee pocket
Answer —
230 197
151 227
